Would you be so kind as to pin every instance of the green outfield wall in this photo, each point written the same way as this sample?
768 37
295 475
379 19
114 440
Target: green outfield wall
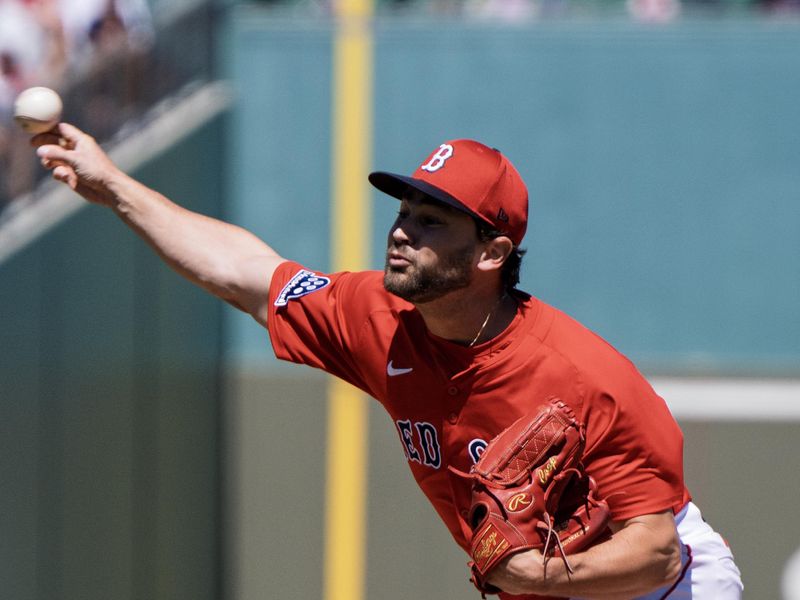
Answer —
109 402
661 163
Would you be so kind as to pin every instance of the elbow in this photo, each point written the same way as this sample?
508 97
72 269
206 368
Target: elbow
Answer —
665 564
669 566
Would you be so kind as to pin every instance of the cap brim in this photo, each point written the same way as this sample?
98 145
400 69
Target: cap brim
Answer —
397 185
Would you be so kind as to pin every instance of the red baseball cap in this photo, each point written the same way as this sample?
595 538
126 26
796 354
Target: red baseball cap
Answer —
471 177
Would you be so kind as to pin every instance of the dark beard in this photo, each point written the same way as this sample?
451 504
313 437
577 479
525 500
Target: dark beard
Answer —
424 284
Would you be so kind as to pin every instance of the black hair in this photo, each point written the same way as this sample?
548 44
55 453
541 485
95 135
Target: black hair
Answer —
509 274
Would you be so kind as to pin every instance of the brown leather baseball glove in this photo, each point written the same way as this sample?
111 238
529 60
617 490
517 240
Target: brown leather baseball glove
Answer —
530 491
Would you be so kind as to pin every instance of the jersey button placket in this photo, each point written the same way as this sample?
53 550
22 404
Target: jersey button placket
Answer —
452 417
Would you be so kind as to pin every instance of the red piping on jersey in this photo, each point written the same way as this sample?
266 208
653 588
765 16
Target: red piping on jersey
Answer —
683 572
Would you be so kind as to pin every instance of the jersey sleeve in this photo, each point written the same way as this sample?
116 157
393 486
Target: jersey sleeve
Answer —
315 318
634 448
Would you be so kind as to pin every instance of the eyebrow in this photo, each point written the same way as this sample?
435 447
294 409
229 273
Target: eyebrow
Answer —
425 199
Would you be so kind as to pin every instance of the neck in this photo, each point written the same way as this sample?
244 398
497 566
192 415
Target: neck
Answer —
469 318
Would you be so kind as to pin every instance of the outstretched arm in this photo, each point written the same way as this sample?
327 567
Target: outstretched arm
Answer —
224 259
642 555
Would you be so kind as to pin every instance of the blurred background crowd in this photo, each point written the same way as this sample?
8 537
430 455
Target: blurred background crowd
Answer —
104 57
640 10
56 43
99 53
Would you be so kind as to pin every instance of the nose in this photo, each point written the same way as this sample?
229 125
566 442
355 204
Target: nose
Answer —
399 234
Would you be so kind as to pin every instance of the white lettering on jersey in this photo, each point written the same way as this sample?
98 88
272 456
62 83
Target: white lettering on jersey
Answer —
438 159
304 282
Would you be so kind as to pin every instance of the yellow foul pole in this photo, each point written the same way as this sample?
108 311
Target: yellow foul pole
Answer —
345 519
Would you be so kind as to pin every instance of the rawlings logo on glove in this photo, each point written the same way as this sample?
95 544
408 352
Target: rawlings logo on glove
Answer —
530 491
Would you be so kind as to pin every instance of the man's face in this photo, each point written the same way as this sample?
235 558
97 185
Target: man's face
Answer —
432 250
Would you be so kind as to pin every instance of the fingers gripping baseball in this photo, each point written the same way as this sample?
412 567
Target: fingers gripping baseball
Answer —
75 158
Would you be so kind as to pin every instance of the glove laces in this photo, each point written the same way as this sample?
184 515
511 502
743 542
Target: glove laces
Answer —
553 536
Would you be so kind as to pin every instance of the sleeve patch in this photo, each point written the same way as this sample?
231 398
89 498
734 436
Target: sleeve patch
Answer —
304 282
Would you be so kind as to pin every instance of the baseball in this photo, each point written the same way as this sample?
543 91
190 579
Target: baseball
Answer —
37 109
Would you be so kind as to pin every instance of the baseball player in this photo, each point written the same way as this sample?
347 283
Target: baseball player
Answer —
455 353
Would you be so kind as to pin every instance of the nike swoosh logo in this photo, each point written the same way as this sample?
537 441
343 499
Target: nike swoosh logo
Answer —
394 372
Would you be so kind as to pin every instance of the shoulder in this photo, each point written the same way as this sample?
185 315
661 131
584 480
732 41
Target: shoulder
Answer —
577 344
600 371
292 280
347 296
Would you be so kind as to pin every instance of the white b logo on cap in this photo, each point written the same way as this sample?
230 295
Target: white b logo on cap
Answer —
438 159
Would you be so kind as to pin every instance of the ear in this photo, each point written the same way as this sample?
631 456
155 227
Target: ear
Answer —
494 254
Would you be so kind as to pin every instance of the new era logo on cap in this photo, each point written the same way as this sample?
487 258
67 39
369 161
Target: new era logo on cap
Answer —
472 177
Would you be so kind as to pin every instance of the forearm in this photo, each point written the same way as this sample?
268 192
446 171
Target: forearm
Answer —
642 556
620 567
222 258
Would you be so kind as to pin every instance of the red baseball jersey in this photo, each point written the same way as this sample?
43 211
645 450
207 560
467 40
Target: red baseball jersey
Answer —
447 400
